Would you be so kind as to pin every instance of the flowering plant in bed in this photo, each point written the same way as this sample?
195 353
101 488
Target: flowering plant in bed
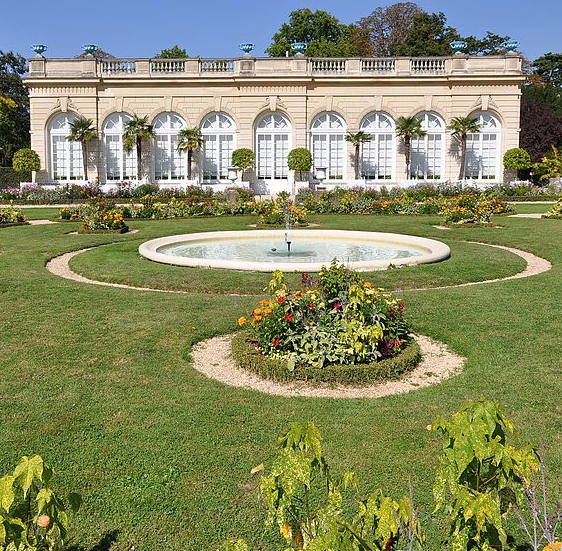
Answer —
472 209
337 319
101 216
555 211
10 216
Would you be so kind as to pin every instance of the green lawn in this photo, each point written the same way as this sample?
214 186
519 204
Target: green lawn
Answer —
96 379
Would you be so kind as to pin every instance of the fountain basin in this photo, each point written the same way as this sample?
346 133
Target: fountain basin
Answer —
266 250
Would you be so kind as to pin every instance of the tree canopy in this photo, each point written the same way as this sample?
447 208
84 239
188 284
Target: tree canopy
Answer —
541 127
14 107
324 34
549 68
175 52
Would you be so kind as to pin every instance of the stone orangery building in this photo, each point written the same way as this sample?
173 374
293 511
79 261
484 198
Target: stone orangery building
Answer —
272 105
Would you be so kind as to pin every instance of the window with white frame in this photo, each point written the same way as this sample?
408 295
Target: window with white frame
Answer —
273 139
65 156
219 134
327 137
119 164
428 152
169 163
482 148
377 159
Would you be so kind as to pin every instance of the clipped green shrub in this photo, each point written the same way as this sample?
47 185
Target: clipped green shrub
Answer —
517 158
299 160
243 158
26 160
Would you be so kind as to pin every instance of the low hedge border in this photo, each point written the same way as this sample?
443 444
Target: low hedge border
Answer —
247 356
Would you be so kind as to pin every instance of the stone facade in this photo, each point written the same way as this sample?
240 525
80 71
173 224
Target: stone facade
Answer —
298 88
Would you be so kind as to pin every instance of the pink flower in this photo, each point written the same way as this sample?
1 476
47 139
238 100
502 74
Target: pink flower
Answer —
337 306
289 317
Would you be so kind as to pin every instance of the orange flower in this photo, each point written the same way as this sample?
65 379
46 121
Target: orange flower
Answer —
263 303
557 546
241 321
267 311
298 294
257 311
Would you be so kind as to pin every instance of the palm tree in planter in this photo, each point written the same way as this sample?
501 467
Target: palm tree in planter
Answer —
461 127
357 140
82 130
408 129
190 140
136 130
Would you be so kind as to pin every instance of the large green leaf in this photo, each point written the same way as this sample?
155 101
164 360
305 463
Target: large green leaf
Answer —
25 471
7 494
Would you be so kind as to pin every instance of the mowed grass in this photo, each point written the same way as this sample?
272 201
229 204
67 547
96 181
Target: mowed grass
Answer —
96 380
121 262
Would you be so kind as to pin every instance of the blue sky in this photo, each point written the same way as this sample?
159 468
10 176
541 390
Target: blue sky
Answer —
141 28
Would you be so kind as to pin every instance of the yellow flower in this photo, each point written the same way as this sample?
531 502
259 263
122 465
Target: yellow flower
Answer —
367 284
257 311
286 530
557 546
241 321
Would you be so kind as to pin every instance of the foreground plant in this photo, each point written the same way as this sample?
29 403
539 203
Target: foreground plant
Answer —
555 211
10 216
32 516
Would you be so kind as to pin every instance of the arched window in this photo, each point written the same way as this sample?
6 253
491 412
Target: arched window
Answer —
219 133
428 152
273 139
378 154
119 164
327 137
482 148
169 163
66 156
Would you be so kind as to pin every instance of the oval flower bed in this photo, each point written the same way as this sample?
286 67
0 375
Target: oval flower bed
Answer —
10 216
337 329
474 210
97 217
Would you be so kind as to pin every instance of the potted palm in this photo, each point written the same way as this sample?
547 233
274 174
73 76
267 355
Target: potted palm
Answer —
190 140
136 130
82 130
408 129
357 139
461 127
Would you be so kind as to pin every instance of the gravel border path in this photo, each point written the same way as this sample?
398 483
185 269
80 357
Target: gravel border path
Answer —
527 215
41 222
213 359
59 266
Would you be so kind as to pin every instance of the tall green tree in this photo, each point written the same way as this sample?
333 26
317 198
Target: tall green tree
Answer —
189 140
549 68
380 33
14 129
461 127
429 35
325 35
357 139
408 129
175 52
136 131
491 44
83 130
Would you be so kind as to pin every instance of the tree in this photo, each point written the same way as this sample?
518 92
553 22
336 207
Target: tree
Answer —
26 160
549 67
408 129
299 160
357 140
491 44
82 130
175 52
380 33
14 129
429 35
322 32
541 127
190 140
136 130
461 127
517 159
550 166
543 93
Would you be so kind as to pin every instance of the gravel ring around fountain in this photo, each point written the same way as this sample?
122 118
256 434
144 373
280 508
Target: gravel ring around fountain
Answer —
213 358
59 266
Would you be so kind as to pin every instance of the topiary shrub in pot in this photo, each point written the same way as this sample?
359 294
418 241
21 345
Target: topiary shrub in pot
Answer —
517 160
300 161
243 158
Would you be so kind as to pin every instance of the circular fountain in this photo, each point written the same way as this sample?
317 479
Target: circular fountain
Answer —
293 251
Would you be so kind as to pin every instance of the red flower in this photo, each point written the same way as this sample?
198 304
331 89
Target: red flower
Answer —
391 312
337 306
401 306
397 343
275 343
281 300
310 305
289 317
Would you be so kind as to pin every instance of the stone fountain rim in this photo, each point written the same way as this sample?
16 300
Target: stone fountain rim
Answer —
436 250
